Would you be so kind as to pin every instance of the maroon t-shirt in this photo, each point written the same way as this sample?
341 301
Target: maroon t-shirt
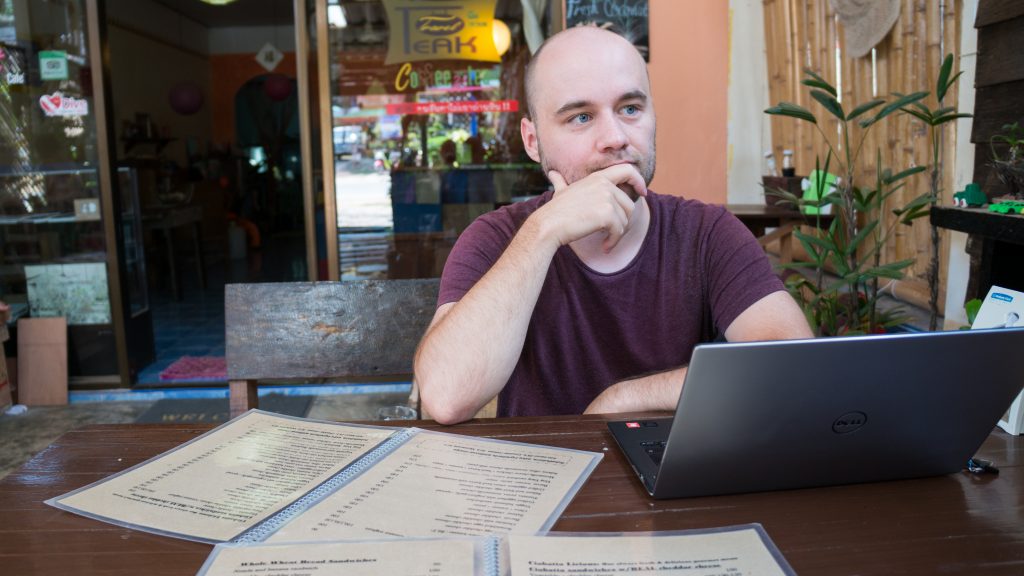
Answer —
697 270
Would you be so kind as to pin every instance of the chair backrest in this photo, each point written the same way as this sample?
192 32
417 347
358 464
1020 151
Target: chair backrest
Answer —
325 329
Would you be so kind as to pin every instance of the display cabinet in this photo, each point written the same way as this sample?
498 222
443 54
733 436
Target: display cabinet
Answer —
53 258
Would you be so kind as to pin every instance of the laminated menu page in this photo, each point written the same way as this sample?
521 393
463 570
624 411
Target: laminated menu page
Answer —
734 550
447 556
731 550
264 475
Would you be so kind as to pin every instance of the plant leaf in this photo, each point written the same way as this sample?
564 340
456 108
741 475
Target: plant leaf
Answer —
823 243
925 116
942 84
793 111
818 82
896 105
889 179
865 108
830 103
889 270
861 235
949 118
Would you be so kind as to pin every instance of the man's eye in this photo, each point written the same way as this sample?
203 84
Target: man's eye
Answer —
581 118
631 109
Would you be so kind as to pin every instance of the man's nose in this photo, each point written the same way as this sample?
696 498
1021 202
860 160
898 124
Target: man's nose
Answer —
612 135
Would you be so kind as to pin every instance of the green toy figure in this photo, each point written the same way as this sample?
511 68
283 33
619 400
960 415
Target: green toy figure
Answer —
971 196
812 184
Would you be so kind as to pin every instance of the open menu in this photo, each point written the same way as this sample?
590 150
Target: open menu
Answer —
264 476
733 550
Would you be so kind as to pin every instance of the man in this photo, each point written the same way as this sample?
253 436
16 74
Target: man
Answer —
591 298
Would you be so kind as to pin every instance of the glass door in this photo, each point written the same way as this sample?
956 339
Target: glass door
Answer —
425 102
57 256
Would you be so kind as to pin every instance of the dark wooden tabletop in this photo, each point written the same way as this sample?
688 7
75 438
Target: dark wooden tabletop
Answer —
956 524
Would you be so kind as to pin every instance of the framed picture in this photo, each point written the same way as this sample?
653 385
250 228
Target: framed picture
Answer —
76 291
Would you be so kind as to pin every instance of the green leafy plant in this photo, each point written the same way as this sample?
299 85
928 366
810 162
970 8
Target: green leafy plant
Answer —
845 300
1010 168
1013 138
935 120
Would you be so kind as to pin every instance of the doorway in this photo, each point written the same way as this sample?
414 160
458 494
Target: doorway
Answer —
206 111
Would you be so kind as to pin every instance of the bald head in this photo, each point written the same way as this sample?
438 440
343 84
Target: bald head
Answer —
580 42
589 105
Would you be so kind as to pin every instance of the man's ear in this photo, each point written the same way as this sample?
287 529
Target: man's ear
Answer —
530 142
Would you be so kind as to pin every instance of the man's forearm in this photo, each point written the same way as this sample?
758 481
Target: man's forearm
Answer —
652 392
468 355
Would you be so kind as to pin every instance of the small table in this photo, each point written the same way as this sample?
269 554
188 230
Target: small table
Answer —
758 217
956 524
165 219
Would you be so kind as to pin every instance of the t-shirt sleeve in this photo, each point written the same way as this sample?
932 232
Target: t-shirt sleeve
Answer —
739 273
477 249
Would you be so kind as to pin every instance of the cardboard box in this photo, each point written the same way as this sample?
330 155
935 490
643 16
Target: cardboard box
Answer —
5 383
43 361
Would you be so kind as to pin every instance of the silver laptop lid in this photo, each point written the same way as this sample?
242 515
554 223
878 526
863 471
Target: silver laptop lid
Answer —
790 414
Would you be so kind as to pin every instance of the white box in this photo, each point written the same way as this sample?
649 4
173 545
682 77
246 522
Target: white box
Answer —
1003 308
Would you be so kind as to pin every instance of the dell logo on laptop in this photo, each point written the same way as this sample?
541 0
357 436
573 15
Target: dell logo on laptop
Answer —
849 422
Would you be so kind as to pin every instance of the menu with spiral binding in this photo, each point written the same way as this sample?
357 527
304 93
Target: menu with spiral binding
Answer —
267 477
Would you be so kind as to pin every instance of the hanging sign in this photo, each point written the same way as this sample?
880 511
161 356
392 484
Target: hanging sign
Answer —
57 104
53 65
431 30
12 63
466 107
269 57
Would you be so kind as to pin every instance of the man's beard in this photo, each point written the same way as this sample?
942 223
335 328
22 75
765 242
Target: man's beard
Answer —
645 166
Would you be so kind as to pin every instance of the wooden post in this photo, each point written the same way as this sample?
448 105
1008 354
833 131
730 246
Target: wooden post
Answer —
242 396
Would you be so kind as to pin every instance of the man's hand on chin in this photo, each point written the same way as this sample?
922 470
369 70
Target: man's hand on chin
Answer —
594 203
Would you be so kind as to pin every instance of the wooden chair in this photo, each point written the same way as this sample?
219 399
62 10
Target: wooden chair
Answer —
319 330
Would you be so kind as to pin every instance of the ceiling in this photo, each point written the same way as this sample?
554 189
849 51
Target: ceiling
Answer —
240 13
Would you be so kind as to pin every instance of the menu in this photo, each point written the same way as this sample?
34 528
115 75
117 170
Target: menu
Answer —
266 476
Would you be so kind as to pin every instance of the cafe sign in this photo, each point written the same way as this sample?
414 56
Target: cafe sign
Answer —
432 30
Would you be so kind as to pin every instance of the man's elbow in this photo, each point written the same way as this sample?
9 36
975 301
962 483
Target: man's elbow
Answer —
434 401
440 409
445 413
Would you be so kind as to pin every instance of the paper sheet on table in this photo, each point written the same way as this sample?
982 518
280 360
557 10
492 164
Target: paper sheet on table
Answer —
227 480
736 551
445 484
435 557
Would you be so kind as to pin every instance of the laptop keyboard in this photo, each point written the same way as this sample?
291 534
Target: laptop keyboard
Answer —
655 449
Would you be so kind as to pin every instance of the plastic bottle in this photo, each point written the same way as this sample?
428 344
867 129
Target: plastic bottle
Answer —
787 163
769 158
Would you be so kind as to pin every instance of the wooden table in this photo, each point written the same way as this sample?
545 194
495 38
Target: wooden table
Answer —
957 524
758 217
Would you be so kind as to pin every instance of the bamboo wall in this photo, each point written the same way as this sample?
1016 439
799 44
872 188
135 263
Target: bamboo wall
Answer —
803 34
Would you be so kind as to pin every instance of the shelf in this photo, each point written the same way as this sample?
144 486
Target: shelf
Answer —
999 227
159 143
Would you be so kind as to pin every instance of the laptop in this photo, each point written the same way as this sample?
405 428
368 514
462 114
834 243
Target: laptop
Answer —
776 415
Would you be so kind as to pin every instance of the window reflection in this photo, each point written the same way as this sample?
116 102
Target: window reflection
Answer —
425 132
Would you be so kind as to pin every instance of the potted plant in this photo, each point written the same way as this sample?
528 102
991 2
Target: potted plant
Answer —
1010 168
841 295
